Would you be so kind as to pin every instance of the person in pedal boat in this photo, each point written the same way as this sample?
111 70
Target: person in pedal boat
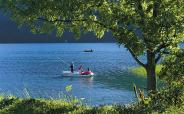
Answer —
72 67
86 72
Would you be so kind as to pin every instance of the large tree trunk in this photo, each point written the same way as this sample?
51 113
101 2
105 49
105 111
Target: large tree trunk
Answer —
150 69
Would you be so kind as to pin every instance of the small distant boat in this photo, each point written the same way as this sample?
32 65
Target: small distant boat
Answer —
89 50
76 74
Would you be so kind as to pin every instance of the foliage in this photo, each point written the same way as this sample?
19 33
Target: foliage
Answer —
13 105
173 73
167 97
173 70
161 101
68 88
41 106
33 106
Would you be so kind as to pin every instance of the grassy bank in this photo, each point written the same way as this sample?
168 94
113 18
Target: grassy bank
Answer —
140 71
13 105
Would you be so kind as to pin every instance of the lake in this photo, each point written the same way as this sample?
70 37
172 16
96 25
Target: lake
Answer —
38 69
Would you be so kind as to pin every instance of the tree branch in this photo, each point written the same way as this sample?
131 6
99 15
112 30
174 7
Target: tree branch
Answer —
79 20
140 10
166 52
158 58
156 7
161 46
135 57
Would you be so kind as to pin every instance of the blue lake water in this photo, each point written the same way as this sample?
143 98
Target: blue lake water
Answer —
38 68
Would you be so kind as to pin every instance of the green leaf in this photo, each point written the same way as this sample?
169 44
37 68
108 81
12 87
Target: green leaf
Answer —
68 88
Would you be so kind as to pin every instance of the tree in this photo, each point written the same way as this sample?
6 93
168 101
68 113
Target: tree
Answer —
147 27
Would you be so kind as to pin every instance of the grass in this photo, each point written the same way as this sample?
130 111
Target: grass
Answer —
14 105
140 71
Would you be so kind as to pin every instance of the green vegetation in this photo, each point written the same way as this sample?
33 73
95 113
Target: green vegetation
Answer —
140 71
13 105
149 27
173 67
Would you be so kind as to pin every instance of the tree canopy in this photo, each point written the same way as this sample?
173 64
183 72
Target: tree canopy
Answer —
143 26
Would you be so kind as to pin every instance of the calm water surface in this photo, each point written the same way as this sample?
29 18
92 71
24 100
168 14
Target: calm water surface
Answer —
38 68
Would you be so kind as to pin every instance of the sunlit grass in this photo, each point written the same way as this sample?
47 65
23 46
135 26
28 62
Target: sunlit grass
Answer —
140 71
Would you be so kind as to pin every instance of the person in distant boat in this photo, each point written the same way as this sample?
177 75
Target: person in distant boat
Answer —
72 67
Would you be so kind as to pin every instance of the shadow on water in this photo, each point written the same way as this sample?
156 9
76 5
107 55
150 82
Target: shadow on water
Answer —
121 80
